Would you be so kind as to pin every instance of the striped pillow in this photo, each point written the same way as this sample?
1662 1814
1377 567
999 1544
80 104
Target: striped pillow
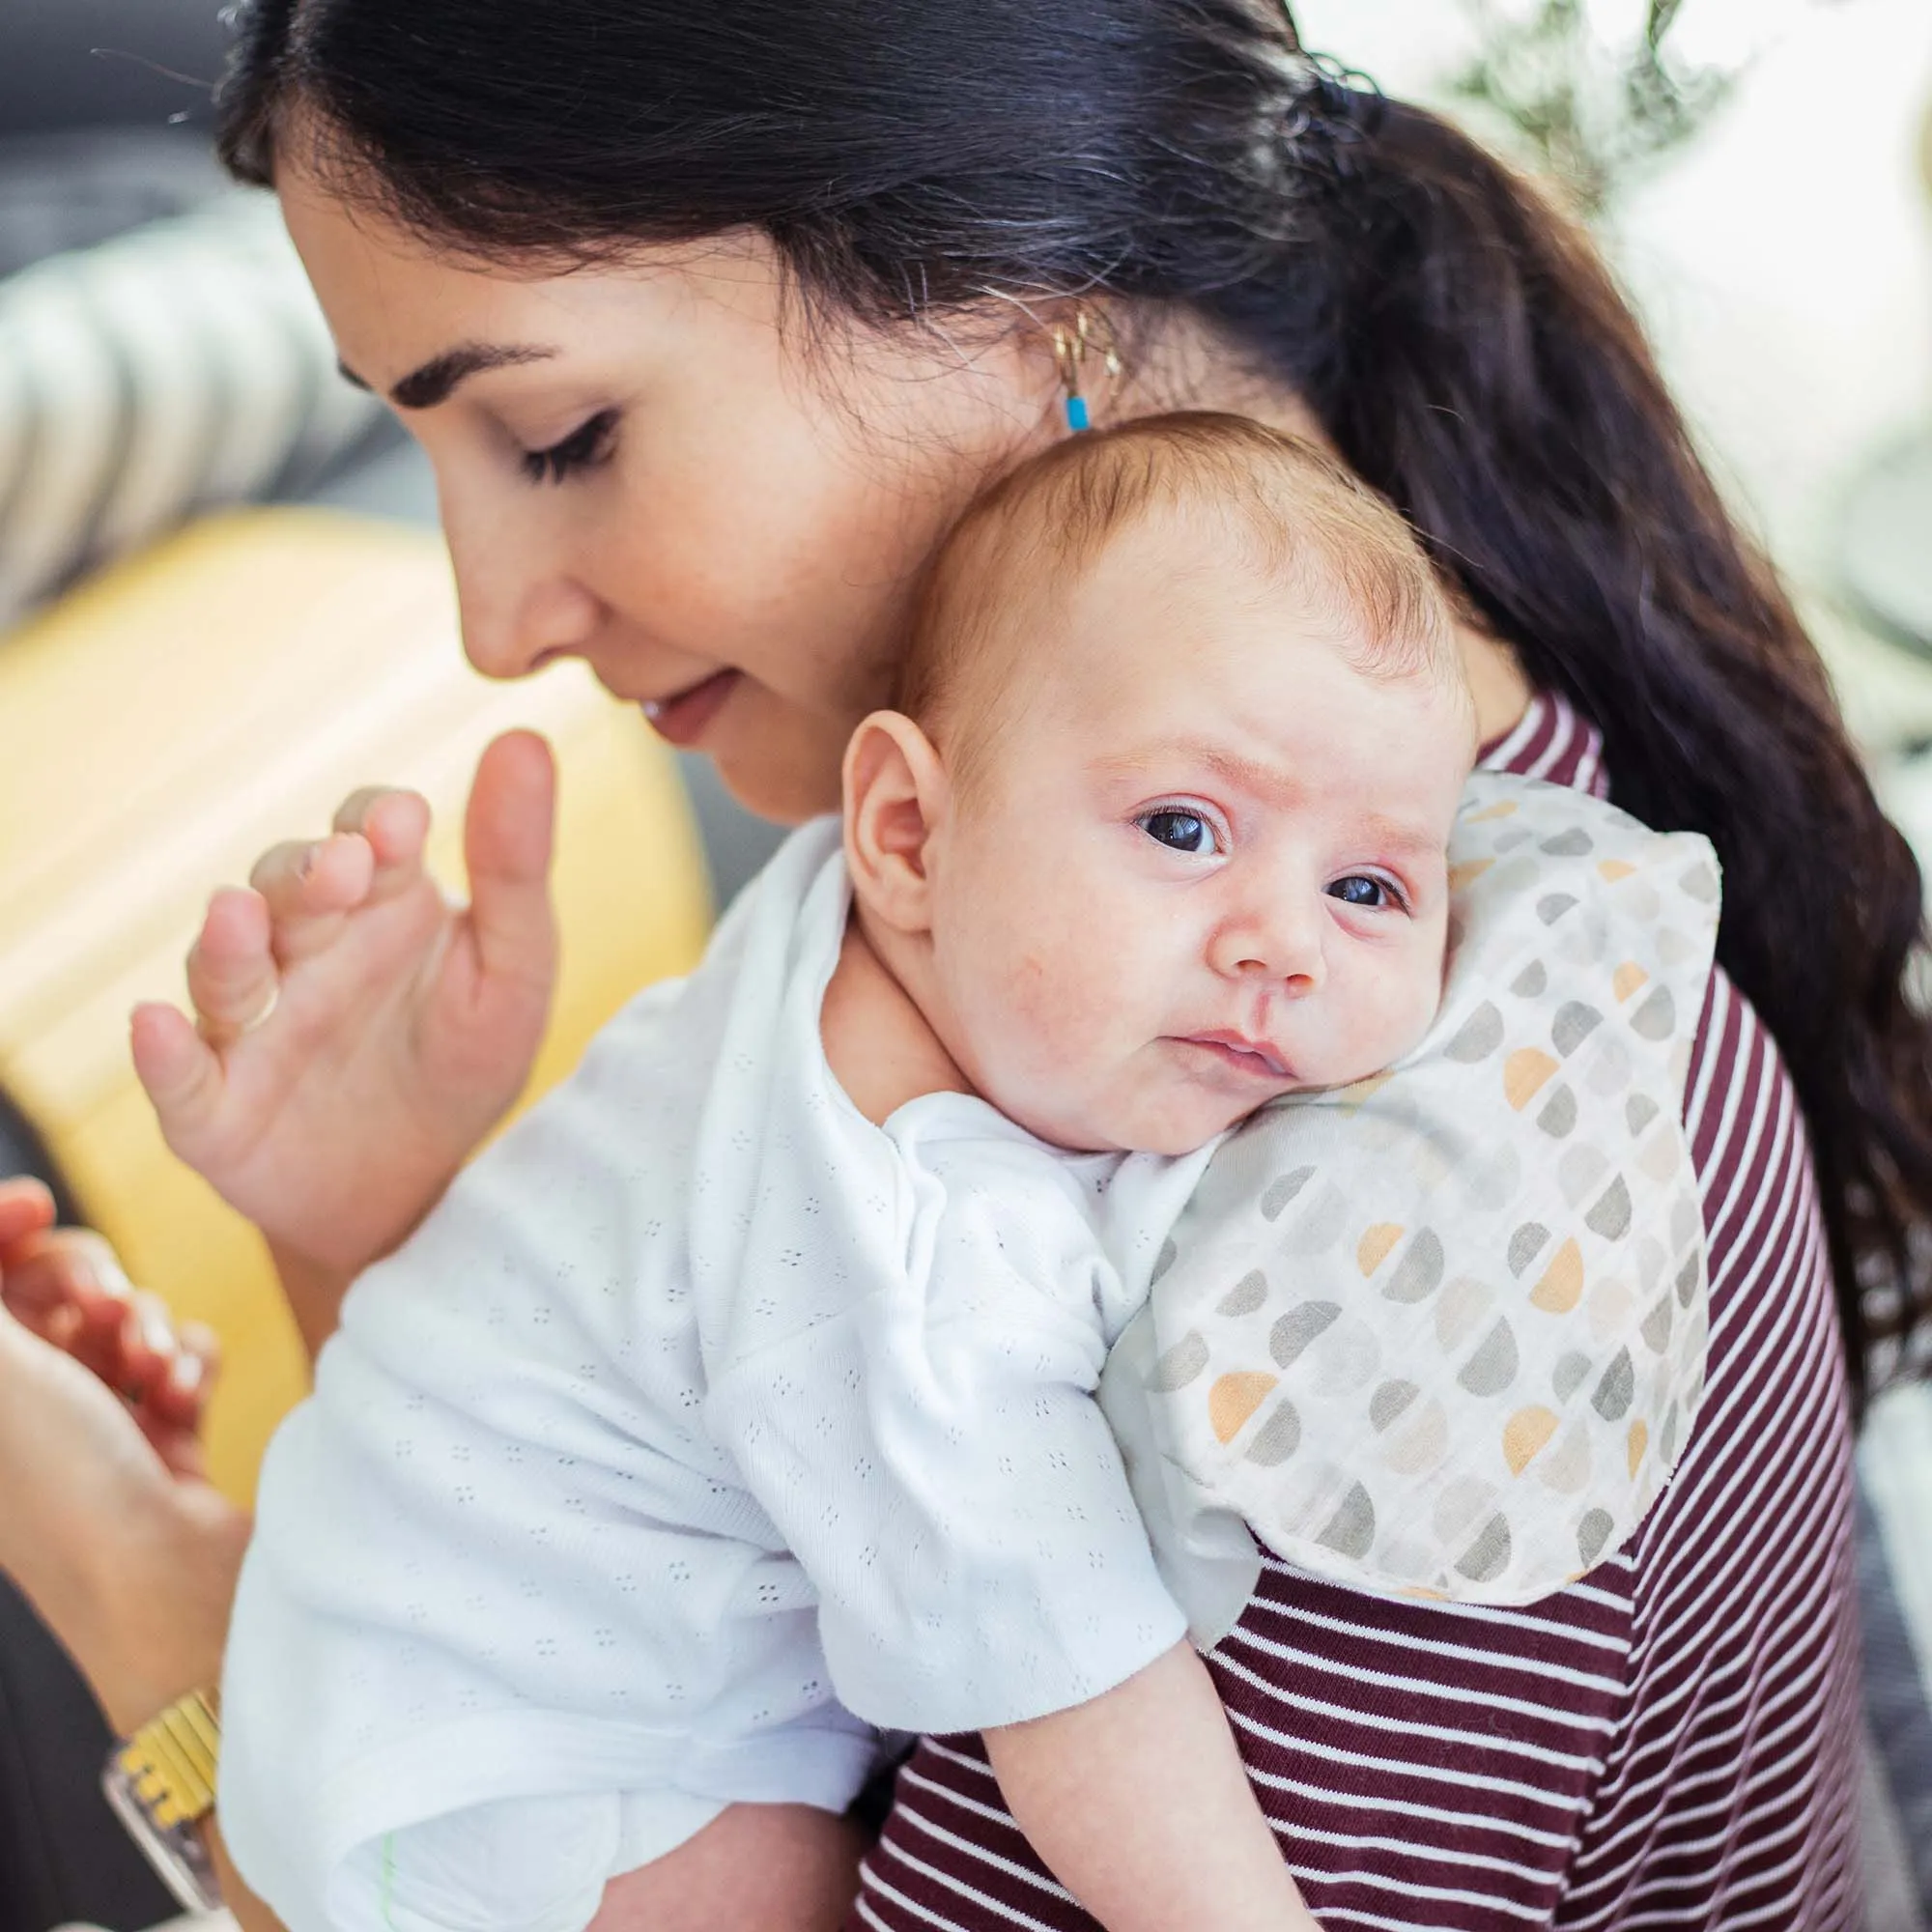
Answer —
174 368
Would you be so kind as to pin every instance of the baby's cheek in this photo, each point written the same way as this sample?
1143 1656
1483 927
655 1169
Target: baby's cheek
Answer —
1395 1011
1026 1016
1415 1000
1068 1017
1083 1031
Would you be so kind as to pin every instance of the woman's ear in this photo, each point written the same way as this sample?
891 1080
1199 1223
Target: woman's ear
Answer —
896 795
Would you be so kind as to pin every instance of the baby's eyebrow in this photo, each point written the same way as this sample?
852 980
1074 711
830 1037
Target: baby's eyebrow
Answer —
1402 841
1271 783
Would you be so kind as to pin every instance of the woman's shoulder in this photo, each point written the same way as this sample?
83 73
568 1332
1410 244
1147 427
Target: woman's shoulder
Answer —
1739 1582
1741 1110
1746 1131
1775 1354
1774 1422
1552 741
1746 1128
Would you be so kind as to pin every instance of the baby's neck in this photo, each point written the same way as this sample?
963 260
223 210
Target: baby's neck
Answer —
881 1048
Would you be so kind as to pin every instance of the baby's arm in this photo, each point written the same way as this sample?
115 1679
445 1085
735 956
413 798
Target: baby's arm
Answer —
1136 1797
1139 1804
441 1667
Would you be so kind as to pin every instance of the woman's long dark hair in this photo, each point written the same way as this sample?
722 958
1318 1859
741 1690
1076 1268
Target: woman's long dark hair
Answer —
1461 342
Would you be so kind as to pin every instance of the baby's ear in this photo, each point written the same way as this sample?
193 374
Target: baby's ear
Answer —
894 794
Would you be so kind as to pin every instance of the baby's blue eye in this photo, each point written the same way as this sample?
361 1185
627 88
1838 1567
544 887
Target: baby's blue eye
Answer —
1180 832
1359 890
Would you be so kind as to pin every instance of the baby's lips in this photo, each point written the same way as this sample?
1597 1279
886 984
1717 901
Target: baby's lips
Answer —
1272 1061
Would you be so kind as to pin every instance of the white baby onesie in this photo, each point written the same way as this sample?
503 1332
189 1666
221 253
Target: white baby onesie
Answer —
705 1420
701 1426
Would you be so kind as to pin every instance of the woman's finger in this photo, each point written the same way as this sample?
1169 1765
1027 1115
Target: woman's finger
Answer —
178 1449
68 1267
309 888
67 1286
177 1399
94 1322
395 824
26 1206
147 1345
232 978
508 837
177 1068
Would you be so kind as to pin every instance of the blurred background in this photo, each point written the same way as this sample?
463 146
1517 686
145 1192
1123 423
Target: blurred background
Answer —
222 604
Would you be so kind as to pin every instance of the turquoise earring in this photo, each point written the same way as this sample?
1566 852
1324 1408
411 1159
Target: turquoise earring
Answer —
1069 350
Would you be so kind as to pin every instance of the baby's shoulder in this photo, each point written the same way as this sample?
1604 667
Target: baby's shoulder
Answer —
660 1055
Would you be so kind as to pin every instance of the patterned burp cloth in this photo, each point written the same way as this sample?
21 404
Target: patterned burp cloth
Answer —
1444 1332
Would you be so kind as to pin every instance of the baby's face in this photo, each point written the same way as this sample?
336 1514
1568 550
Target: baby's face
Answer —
1202 866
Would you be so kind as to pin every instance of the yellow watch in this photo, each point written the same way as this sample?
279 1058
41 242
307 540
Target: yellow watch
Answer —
160 1783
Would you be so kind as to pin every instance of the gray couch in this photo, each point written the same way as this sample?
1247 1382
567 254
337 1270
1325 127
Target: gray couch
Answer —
85 152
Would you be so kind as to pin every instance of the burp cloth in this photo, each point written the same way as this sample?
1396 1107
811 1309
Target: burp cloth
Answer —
1444 1332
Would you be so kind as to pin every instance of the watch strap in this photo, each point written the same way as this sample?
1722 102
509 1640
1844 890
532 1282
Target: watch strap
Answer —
161 1783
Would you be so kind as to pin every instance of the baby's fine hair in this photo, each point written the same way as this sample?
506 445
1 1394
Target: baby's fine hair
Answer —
1345 557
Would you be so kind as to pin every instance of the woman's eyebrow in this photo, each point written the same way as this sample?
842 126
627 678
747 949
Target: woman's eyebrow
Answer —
436 380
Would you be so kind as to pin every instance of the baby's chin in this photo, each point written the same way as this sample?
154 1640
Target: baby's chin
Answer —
1170 1124
1186 1117
1175 1114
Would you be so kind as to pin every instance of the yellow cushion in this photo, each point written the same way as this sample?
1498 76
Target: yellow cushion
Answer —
160 727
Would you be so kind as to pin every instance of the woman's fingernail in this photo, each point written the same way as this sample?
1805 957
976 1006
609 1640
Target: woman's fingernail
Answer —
106 1275
83 1274
308 864
156 1333
186 1373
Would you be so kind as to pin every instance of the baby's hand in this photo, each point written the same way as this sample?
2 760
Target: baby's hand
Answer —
355 1034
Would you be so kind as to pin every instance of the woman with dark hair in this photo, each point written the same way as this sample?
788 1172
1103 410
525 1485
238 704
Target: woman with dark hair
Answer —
711 320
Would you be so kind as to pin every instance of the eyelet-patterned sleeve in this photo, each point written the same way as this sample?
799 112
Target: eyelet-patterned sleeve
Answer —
509 1623
931 1450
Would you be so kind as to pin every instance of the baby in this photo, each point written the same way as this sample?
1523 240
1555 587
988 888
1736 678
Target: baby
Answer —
740 1403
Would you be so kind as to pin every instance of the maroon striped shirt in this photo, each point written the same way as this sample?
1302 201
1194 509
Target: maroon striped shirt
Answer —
1669 1742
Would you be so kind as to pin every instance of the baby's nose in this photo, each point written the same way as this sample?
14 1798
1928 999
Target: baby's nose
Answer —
1277 944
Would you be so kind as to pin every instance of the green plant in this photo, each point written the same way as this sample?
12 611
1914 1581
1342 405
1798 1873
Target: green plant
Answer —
1592 113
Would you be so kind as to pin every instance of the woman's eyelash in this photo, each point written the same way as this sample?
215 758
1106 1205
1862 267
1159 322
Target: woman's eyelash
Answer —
583 448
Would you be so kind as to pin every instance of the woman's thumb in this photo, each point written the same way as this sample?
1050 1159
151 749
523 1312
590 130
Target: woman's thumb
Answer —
508 835
26 1207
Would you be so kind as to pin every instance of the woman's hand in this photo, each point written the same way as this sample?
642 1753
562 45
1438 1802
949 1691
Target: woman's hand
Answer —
65 1286
354 1036
109 1527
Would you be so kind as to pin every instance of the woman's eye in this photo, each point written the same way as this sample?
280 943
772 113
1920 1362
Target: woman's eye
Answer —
1180 832
1359 888
583 448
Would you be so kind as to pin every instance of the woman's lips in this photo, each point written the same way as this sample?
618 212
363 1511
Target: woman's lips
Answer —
682 718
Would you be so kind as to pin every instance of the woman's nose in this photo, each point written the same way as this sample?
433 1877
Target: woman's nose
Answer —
521 606
513 630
